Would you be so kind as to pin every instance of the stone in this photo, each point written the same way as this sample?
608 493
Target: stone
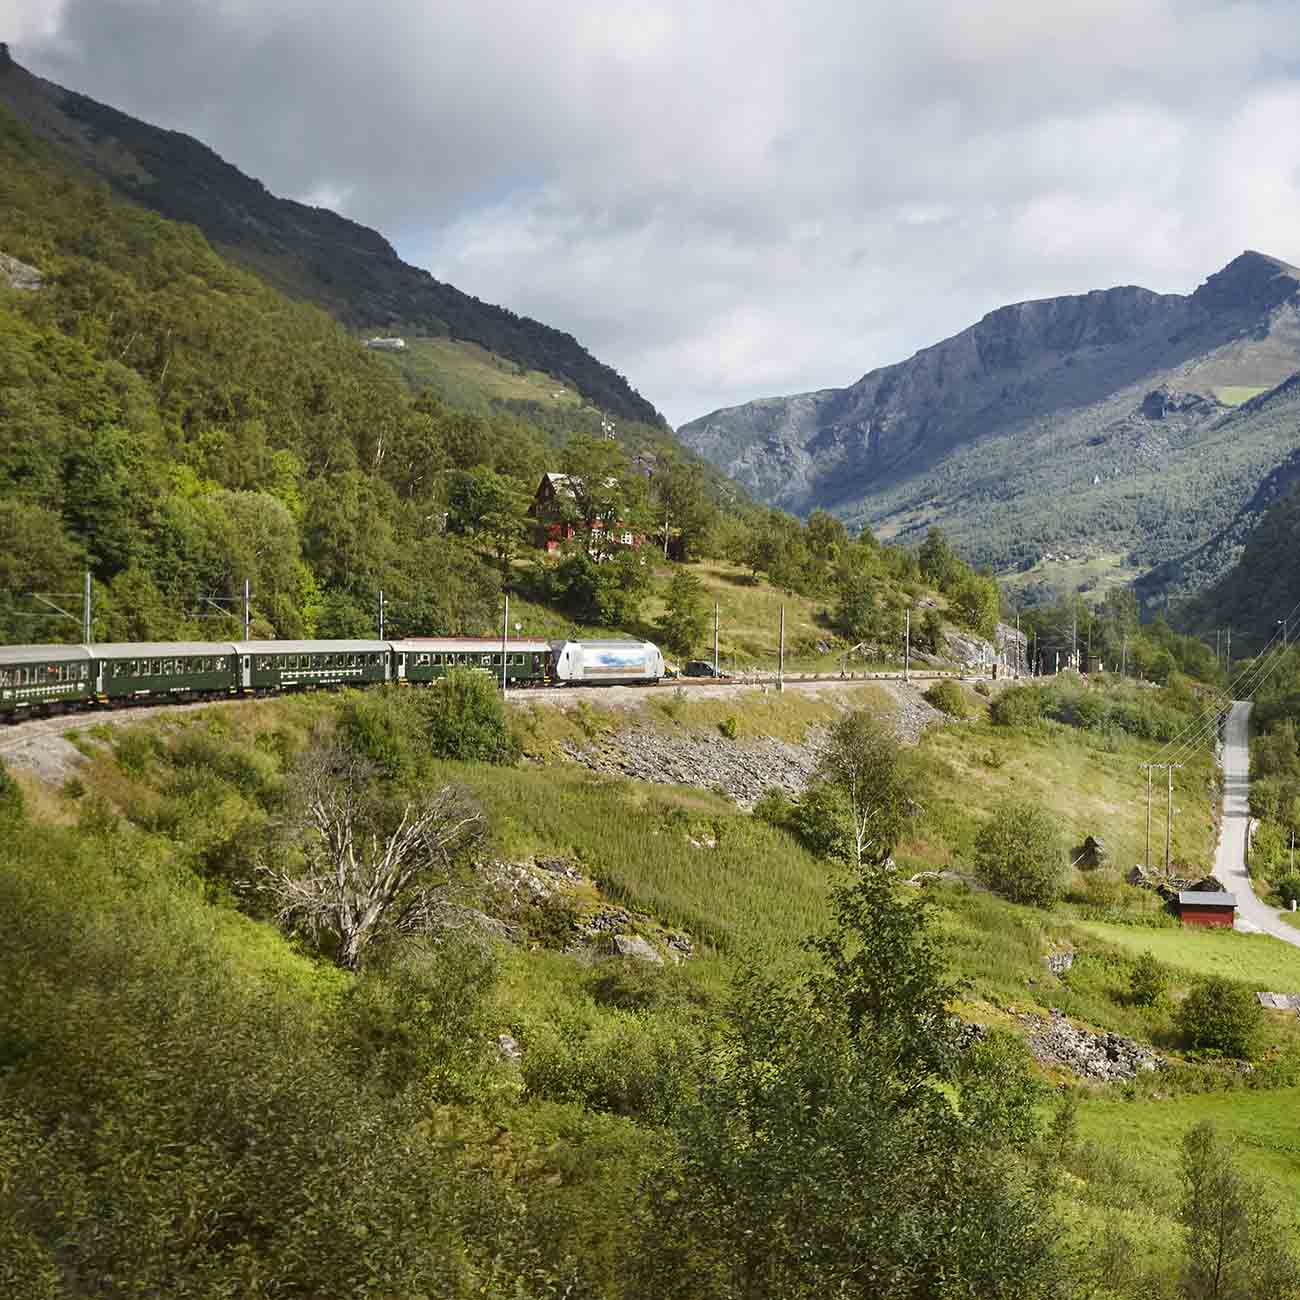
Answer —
18 275
508 1048
1106 1057
1060 961
635 948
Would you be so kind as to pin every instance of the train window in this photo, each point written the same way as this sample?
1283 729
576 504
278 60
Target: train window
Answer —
156 668
6 677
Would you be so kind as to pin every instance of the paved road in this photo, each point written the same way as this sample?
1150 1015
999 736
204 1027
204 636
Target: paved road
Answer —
1230 859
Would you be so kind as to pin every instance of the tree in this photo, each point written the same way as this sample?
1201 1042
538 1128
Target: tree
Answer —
941 567
685 619
1020 853
365 868
1221 1017
1235 1245
682 503
840 1144
864 763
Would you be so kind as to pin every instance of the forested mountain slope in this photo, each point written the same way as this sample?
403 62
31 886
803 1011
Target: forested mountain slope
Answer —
1102 422
308 252
175 425
1264 585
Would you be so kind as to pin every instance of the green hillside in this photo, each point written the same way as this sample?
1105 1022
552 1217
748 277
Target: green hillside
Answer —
309 253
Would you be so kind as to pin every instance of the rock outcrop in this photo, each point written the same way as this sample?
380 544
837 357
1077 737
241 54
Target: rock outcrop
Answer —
18 275
1107 1058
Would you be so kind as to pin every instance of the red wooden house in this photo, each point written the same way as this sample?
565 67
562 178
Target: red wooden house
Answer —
553 509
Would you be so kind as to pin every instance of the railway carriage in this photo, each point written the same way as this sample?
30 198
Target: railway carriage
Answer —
299 665
148 670
37 677
421 660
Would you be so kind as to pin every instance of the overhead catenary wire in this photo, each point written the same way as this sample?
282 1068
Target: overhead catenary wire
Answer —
1261 668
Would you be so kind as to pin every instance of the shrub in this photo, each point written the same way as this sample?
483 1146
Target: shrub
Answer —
1288 889
728 728
1221 1018
1021 706
984 689
947 697
466 719
1147 982
1020 853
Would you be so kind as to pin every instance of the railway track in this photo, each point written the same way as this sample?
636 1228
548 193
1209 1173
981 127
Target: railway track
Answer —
19 732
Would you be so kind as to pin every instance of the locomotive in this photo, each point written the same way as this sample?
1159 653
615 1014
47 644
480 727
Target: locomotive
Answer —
48 678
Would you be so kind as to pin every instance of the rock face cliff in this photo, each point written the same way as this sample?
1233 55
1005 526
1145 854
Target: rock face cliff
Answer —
1021 432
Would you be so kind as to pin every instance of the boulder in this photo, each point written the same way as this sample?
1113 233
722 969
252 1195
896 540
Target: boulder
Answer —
633 947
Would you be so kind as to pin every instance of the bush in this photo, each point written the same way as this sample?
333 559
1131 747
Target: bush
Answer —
1147 982
948 698
1020 853
466 719
984 689
1288 889
1221 1018
1021 706
728 728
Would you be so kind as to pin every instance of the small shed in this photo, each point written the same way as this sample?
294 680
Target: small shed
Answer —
1206 907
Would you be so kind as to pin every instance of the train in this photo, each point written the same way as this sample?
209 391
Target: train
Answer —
49 678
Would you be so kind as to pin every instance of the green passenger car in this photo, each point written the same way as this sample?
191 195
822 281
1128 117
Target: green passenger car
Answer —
40 678
422 660
305 665
171 669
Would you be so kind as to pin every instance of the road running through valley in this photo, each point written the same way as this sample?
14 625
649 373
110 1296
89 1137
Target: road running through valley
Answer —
1230 858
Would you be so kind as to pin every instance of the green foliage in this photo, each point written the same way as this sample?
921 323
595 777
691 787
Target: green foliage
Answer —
1221 1018
607 593
728 728
863 772
1235 1241
1020 853
465 718
1147 981
685 620
11 796
824 1118
1018 706
422 1020
948 697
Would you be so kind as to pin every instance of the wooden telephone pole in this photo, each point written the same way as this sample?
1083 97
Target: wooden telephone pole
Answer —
1169 812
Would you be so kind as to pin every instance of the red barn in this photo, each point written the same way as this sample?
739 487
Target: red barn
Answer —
552 507
1205 908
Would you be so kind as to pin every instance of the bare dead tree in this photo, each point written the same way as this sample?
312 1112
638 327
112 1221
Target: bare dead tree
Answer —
366 869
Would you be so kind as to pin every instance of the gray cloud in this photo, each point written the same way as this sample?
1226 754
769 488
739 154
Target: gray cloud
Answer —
730 200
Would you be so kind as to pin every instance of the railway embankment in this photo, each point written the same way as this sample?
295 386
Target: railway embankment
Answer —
695 751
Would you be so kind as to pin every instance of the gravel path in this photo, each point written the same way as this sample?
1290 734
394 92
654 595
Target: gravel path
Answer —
1230 858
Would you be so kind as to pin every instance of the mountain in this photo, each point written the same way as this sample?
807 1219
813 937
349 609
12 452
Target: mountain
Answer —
1109 424
305 251
1263 585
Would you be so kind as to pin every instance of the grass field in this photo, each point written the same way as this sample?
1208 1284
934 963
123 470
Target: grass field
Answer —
1265 1124
1237 394
470 376
1256 959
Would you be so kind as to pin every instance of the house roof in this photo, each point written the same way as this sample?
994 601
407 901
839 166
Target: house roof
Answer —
1198 898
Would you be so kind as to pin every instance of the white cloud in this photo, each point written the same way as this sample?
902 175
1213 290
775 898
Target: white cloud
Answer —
741 198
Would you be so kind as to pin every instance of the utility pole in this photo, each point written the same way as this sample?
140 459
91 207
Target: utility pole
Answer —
1019 652
1169 812
505 635
1218 652
1227 658
1074 632
1123 656
247 607
715 639
381 613
780 662
85 610
1281 622
907 645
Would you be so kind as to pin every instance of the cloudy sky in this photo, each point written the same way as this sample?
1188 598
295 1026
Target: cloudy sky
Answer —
729 199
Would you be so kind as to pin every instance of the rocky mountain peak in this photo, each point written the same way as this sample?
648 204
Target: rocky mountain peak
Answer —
1253 280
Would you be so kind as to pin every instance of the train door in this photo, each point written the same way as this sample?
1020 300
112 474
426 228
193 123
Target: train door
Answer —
401 665
246 671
